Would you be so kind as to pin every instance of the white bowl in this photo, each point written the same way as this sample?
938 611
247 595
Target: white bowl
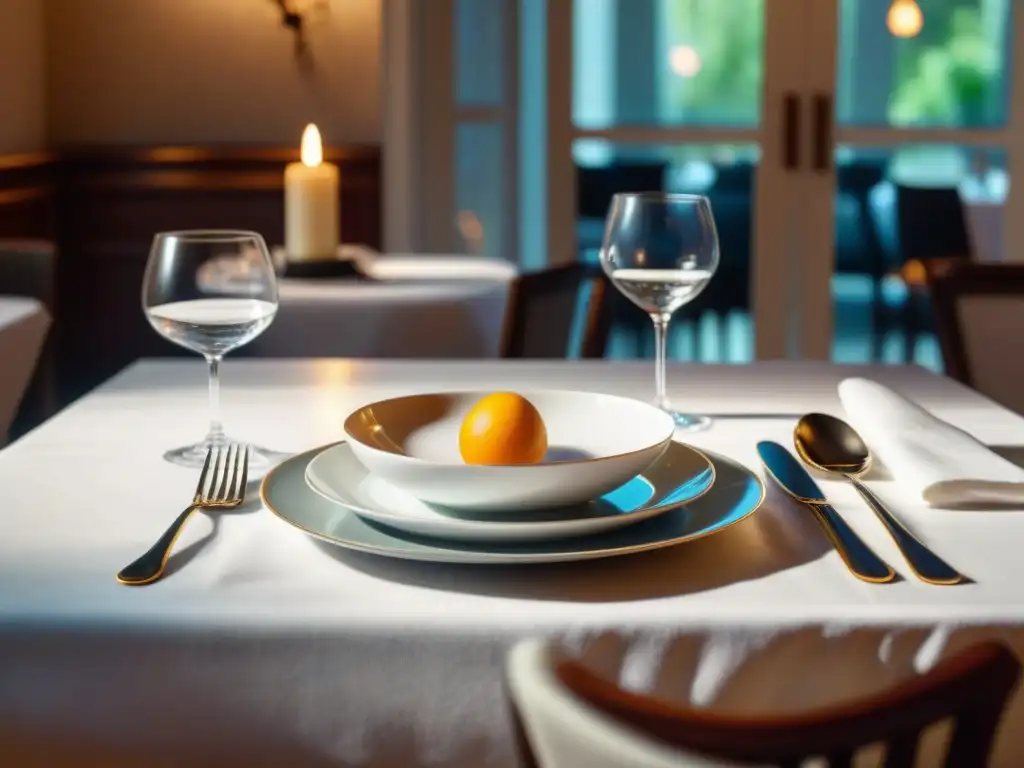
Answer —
596 443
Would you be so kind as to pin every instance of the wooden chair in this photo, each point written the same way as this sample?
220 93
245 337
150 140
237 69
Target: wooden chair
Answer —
621 728
543 311
977 309
931 225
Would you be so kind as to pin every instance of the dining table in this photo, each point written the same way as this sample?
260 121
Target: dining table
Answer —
263 646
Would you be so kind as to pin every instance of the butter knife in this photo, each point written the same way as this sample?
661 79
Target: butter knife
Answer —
798 483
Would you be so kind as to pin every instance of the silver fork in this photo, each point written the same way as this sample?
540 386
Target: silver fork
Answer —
221 486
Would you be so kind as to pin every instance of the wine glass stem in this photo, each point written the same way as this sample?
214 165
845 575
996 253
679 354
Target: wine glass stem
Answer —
216 432
660 342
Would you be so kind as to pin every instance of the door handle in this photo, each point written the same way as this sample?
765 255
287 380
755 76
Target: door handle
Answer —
790 132
822 119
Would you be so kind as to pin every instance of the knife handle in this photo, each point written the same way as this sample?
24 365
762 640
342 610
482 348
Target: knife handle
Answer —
862 562
928 566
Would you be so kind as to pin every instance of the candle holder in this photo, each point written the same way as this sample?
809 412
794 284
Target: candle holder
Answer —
347 263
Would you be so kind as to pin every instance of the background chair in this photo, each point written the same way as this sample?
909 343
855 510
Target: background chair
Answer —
931 224
556 313
978 311
569 716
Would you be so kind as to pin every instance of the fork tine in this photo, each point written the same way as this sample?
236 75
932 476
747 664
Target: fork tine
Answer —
224 462
245 473
202 475
210 490
236 474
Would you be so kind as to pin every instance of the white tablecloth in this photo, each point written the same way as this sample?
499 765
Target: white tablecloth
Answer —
263 647
420 306
23 326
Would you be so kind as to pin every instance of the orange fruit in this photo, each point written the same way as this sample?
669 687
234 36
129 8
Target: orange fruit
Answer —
503 428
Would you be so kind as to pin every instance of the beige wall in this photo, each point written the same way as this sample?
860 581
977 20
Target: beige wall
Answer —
22 72
207 71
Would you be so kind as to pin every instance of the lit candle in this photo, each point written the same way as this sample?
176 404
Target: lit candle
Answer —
311 203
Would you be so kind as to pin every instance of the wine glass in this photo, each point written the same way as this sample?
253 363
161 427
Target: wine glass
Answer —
661 250
188 299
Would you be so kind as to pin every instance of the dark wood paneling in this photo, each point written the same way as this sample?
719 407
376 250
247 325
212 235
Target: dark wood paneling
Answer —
102 206
26 196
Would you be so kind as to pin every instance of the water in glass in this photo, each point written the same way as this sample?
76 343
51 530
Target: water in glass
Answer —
212 326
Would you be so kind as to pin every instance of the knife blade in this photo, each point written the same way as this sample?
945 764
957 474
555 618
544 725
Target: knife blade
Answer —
795 480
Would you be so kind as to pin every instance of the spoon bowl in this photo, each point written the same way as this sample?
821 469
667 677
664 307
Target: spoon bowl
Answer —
831 445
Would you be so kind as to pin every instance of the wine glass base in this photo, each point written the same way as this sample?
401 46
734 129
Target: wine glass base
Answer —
194 456
689 422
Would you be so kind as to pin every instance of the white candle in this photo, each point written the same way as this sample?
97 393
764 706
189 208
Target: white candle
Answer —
311 203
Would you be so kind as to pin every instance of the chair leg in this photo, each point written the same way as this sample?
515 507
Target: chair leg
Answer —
909 329
878 317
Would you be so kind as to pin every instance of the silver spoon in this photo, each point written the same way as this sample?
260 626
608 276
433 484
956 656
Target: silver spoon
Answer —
831 445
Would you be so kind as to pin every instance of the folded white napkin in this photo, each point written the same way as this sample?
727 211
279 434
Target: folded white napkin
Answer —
945 465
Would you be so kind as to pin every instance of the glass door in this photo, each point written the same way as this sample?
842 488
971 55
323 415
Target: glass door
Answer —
451 133
510 124
692 96
920 95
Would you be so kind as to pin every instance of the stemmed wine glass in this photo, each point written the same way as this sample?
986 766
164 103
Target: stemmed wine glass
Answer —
187 303
661 250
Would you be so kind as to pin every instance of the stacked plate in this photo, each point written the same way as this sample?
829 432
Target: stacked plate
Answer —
613 482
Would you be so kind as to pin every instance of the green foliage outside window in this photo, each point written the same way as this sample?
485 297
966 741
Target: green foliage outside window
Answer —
949 76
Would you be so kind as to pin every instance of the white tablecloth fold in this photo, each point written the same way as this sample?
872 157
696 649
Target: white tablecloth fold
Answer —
948 467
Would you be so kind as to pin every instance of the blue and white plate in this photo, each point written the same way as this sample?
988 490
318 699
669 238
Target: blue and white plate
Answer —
735 494
679 476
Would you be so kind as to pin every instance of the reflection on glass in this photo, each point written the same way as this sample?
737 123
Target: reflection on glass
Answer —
952 73
667 62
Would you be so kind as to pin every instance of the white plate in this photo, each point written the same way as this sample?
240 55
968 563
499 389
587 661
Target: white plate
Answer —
678 477
596 443
736 494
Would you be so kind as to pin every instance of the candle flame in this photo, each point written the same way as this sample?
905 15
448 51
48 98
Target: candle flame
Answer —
312 147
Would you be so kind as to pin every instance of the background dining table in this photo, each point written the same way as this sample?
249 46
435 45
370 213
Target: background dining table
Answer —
423 306
265 647
24 323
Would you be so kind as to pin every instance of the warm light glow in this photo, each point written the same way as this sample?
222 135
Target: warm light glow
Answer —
905 18
312 147
685 61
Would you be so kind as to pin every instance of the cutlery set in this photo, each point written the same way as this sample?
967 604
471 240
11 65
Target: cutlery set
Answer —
831 446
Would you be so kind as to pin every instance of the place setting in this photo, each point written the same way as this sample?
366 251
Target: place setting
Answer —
532 475
469 476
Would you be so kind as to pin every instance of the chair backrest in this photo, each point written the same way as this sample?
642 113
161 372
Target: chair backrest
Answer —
630 729
976 306
596 186
27 268
544 312
931 223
